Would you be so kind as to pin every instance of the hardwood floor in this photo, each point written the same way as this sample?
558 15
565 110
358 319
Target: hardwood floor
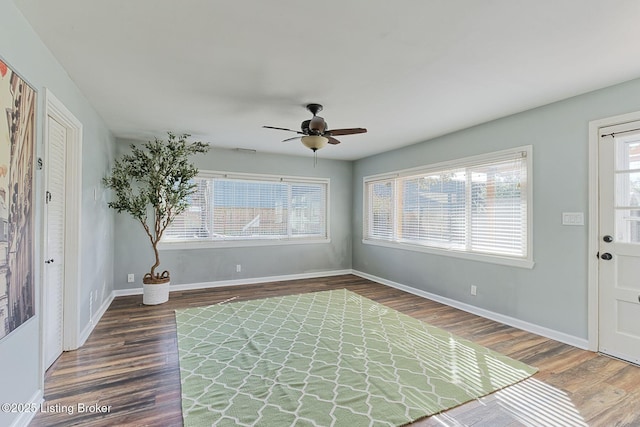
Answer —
129 366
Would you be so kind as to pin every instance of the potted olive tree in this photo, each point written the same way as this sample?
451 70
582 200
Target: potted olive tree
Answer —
152 184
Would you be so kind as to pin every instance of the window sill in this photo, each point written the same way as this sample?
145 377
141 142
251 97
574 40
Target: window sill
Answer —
218 244
493 259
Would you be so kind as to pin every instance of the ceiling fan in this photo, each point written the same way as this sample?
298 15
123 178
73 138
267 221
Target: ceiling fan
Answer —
315 132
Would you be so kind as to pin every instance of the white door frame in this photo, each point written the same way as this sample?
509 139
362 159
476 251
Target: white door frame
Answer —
594 220
73 202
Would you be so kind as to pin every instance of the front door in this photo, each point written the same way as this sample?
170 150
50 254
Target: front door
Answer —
619 241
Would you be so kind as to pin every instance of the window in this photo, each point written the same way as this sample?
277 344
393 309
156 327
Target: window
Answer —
252 209
627 182
477 207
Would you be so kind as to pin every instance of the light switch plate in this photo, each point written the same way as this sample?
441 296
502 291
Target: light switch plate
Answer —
572 218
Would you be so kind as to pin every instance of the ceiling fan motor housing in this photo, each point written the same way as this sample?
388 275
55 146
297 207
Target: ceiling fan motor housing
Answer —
317 124
313 126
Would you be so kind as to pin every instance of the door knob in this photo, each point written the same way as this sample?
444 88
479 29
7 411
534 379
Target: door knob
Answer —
606 256
608 239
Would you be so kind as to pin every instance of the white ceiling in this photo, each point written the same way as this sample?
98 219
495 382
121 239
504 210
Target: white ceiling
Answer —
407 70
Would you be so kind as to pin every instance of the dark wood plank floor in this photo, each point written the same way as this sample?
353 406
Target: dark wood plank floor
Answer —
130 364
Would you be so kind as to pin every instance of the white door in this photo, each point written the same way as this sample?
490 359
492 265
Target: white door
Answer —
54 252
619 237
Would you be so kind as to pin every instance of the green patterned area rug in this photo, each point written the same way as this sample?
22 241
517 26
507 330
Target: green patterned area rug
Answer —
329 358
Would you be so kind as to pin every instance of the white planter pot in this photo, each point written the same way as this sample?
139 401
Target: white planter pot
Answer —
155 294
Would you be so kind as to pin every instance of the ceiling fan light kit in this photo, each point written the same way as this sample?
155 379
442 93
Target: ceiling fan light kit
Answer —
315 131
314 142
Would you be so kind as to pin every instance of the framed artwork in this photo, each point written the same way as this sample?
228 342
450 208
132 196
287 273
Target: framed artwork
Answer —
17 146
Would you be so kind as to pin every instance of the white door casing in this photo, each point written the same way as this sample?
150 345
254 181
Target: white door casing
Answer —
55 242
619 241
72 223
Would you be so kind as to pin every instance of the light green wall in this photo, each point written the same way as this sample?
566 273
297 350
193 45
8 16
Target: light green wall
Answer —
134 254
20 47
554 293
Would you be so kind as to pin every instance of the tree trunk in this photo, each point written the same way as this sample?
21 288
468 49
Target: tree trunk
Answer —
157 263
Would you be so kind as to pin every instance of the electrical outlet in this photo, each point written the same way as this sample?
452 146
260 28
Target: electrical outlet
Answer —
130 278
238 268
474 290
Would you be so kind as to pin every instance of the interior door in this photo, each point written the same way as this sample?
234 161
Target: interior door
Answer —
54 253
619 248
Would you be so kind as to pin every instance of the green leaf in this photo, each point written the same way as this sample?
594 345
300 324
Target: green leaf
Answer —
155 178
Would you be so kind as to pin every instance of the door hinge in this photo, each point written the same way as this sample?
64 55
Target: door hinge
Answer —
47 197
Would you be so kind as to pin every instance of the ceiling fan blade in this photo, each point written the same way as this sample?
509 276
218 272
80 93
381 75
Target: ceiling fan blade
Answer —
332 140
288 130
349 131
291 139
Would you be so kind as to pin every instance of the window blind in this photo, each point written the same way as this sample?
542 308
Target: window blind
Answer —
252 208
381 209
477 205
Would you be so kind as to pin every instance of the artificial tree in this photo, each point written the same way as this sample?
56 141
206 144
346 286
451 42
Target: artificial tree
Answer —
152 184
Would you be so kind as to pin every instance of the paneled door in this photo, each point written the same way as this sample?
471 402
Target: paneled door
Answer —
55 241
619 241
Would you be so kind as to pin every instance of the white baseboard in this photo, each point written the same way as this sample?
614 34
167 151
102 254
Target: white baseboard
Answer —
25 417
84 335
238 282
507 320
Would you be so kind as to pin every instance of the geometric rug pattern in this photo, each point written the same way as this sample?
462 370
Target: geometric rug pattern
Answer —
331 358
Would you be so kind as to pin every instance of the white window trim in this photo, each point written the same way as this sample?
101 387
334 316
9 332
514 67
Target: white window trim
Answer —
210 244
522 262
